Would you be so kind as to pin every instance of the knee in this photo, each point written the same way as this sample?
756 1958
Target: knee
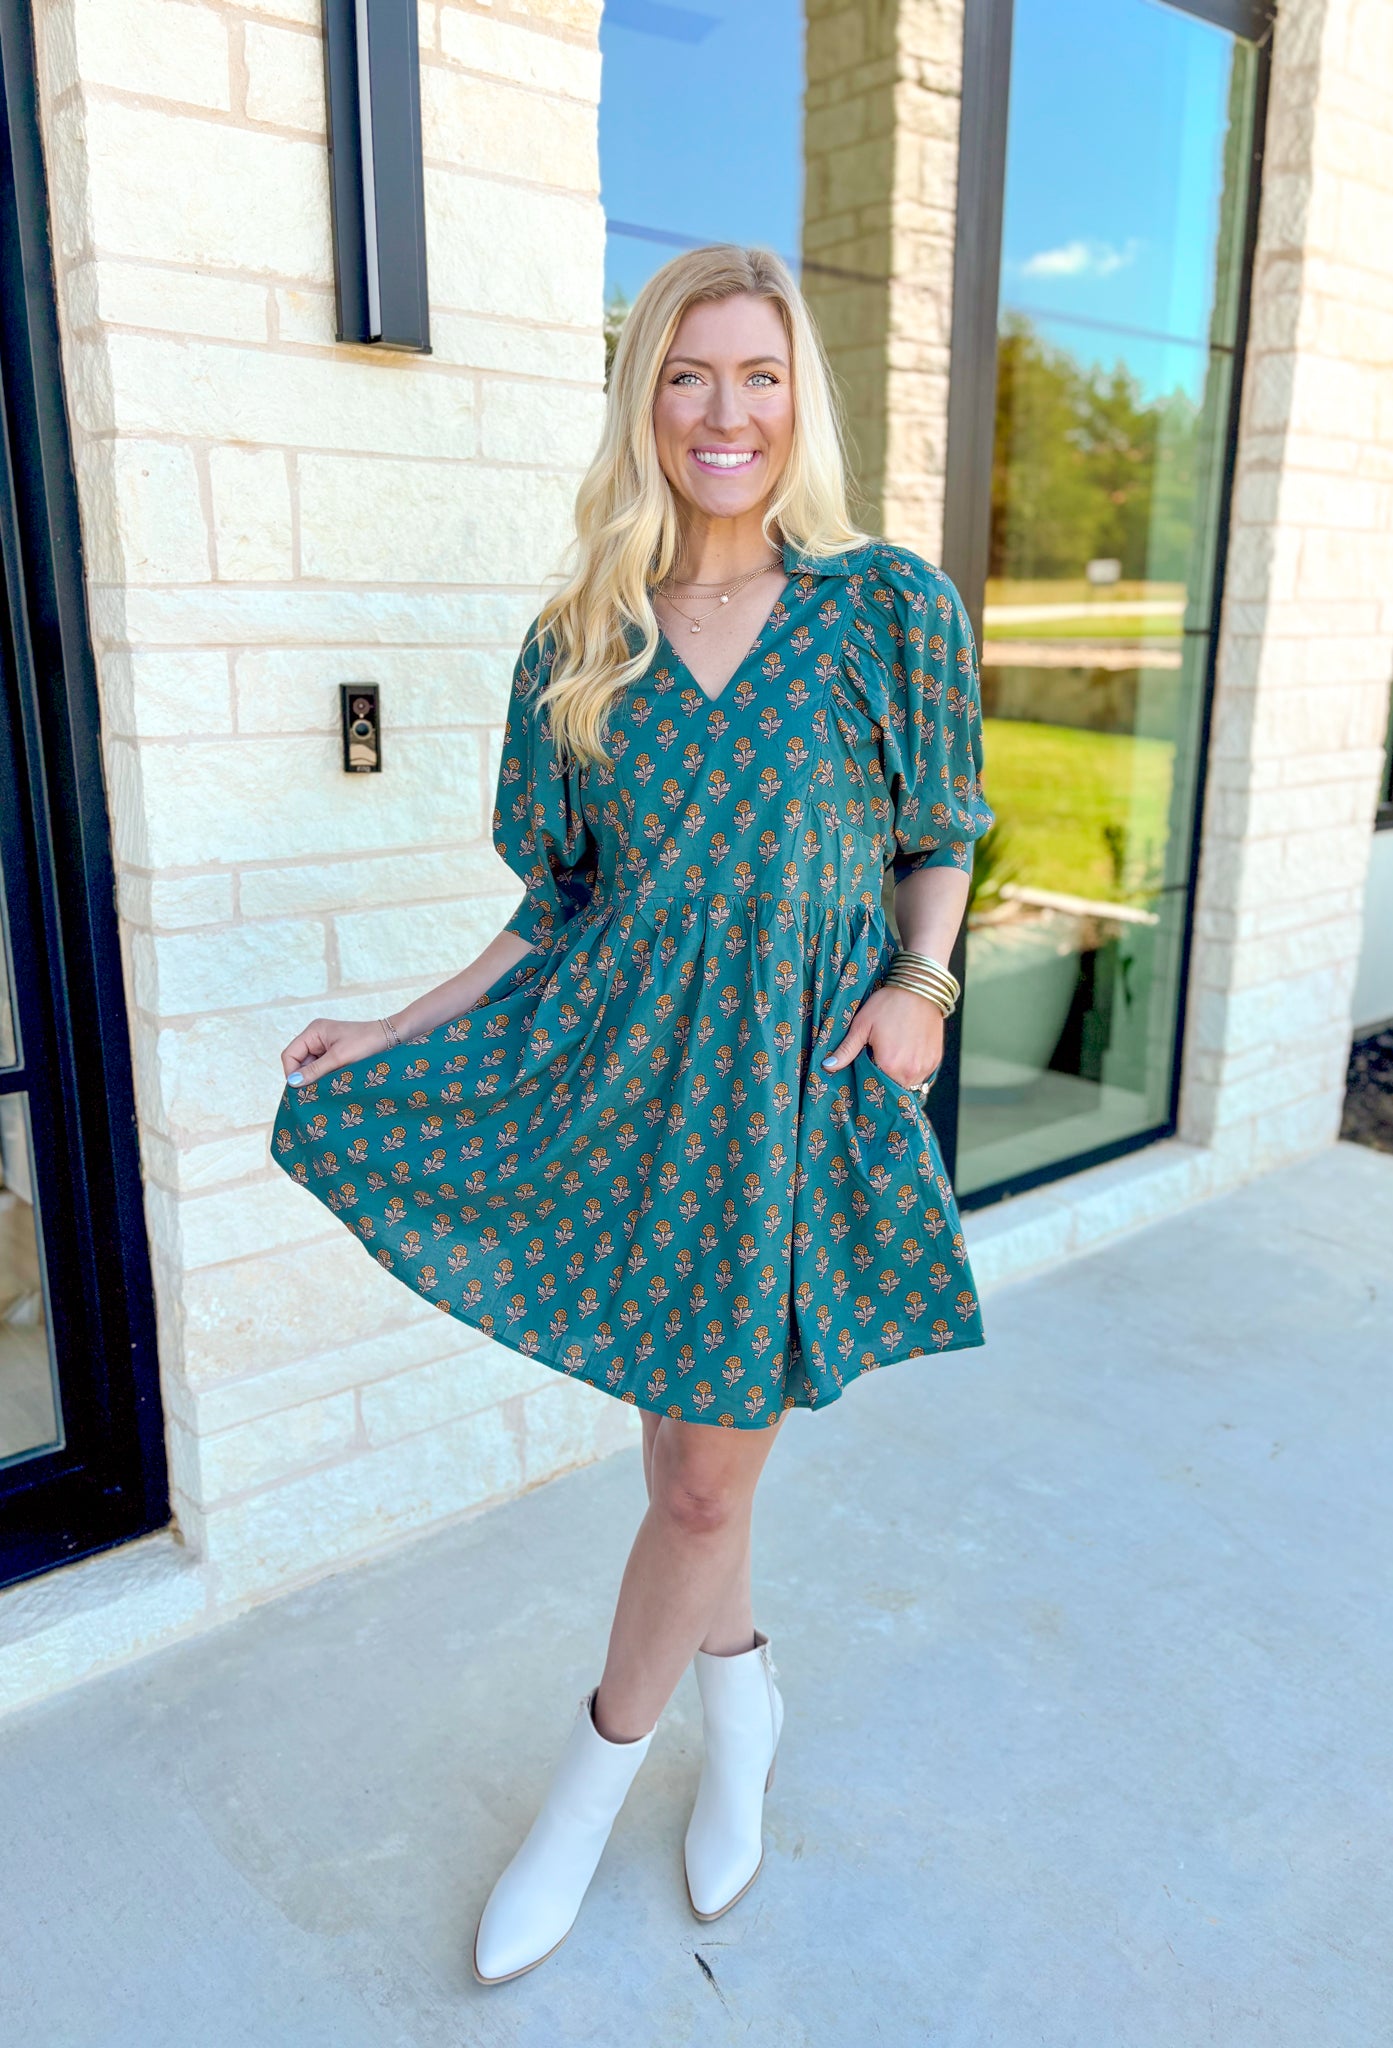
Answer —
696 1502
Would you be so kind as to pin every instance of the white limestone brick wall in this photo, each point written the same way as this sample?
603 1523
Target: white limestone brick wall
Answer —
1306 648
267 514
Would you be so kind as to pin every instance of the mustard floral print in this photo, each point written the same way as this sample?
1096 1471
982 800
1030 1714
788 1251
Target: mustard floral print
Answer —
624 1158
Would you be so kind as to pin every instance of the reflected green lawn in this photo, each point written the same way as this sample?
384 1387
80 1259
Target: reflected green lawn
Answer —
1079 626
1057 790
1076 590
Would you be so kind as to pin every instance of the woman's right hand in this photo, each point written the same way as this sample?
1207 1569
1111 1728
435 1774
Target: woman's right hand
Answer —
331 1042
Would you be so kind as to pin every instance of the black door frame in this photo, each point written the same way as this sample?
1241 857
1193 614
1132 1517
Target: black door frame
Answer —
987 35
108 1481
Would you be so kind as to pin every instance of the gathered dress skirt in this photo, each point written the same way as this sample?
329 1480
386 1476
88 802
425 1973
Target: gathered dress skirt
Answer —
624 1158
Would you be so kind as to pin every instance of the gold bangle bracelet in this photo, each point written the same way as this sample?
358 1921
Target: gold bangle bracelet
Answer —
911 979
927 961
900 965
922 973
923 977
936 996
933 995
914 978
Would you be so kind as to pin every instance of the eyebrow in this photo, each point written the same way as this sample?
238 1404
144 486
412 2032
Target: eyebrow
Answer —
750 362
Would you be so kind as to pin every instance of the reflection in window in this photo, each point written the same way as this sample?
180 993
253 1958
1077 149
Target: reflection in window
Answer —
9 1047
699 142
1129 146
1121 248
819 129
28 1398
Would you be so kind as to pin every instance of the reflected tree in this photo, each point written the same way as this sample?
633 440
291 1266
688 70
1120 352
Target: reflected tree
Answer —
1085 466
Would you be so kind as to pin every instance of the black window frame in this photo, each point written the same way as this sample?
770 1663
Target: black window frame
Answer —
107 1483
986 75
377 194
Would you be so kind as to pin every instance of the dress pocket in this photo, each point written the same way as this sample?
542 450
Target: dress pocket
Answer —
883 1135
898 1087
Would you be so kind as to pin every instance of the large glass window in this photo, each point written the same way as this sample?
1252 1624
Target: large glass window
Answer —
1122 247
823 129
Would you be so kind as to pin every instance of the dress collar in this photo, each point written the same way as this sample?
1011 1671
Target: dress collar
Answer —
796 564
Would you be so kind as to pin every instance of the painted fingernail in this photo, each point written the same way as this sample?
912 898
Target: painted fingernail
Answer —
296 1078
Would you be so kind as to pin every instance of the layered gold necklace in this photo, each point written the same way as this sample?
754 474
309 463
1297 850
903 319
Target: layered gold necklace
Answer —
712 593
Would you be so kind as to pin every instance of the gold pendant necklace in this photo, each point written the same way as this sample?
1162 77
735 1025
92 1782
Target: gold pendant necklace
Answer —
721 595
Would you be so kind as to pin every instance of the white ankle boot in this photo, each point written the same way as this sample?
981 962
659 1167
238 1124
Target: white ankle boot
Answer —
533 1906
742 1715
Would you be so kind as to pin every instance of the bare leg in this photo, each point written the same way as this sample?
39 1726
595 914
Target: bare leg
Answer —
732 1620
651 1425
690 1546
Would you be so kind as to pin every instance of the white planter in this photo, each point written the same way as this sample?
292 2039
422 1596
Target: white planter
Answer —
1020 982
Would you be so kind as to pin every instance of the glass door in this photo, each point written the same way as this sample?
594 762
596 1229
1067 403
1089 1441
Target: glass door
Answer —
1128 175
81 1429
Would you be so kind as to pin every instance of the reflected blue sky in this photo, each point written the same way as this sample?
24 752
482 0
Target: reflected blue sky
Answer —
1113 171
700 138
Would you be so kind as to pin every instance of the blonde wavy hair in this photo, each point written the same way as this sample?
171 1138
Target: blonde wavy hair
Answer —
628 523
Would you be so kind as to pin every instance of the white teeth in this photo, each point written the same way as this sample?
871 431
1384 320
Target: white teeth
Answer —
712 460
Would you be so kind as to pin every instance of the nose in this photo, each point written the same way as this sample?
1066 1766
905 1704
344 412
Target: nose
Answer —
725 411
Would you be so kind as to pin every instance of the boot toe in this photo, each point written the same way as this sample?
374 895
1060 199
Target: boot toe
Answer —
504 1950
716 1879
534 1904
527 1915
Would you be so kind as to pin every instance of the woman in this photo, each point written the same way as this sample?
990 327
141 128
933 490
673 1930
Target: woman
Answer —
664 1133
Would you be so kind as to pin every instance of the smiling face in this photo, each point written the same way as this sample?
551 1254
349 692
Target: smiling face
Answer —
723 411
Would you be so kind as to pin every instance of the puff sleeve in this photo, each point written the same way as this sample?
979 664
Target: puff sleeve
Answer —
932 742
539 822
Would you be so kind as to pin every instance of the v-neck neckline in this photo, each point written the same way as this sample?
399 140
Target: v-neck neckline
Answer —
664 640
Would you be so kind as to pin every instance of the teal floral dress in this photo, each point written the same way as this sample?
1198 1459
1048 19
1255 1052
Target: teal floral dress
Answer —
624 1158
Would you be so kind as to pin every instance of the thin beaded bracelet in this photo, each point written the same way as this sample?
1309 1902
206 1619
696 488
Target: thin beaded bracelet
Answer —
393 1035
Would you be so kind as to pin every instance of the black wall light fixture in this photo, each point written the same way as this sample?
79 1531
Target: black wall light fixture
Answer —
377 187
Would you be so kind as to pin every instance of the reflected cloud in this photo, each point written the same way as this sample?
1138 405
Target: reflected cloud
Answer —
652 18
1081 259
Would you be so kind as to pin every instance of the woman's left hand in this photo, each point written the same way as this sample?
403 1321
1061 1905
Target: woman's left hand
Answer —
904 1032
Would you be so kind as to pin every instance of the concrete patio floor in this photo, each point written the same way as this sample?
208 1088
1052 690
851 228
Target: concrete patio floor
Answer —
1086 1648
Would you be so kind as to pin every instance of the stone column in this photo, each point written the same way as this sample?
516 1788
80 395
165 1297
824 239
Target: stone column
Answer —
1306 644
884 84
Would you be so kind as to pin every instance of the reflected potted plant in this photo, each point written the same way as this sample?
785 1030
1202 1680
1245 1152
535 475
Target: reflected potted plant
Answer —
1115 1048
1022 967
